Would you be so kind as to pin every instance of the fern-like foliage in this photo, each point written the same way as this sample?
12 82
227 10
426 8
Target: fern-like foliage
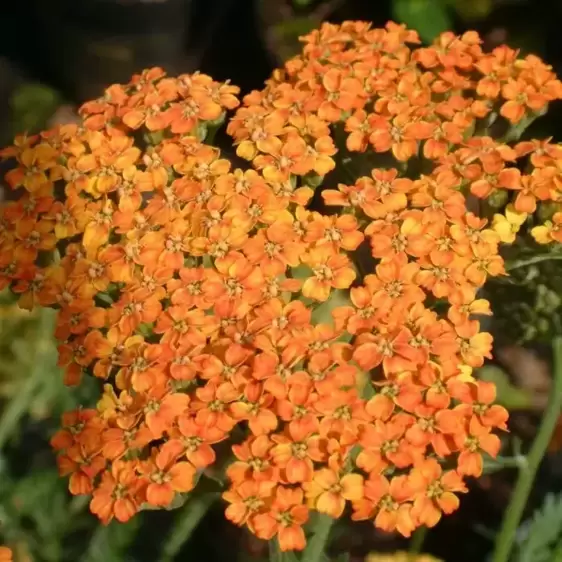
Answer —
540 538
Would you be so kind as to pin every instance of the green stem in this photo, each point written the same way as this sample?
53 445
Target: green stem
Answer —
210 136
77 504
277 555
531 261
416 544
527 473
316 547
19 405
188 520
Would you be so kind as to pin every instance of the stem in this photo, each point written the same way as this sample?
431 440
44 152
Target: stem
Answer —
210 137
190 517
527 473
315 550
535 259
417 541
277 555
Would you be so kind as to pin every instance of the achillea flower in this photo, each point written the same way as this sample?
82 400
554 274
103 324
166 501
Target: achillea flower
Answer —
208 297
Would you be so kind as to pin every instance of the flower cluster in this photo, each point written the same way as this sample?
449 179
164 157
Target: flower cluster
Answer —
325 331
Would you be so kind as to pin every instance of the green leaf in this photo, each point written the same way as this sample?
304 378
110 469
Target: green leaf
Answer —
313 180
104 298
368 391
32 105
318 542
428 17
323 313
557 554
146 329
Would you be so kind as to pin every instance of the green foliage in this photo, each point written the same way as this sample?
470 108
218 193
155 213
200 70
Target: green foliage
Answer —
540 539
110 544
32 105
527 305
432 17
428 17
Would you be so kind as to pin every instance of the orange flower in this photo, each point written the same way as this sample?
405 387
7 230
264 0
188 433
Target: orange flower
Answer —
464 303
167 477
388 503
393 284
475 346
162 408
247 500
343 94
119 493
472 440
202 294
254 461
331 271
295 451
194 441
285 518
117 441
477 399
400 134
384 445
211 405
339 232
434 491
84 464
329 490
403 393
254 406
275 248
391 349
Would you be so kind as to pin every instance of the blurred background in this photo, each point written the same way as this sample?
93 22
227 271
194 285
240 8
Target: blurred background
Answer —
55 54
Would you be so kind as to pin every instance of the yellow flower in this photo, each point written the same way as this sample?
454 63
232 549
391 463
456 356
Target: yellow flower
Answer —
508 225
465 373
542 233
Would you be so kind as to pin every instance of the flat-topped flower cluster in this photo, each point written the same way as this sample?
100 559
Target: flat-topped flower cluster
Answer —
193 289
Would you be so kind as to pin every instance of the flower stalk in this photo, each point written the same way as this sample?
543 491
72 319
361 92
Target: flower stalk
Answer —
528 471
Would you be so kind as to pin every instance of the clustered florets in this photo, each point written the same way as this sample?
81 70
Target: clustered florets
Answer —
191 289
